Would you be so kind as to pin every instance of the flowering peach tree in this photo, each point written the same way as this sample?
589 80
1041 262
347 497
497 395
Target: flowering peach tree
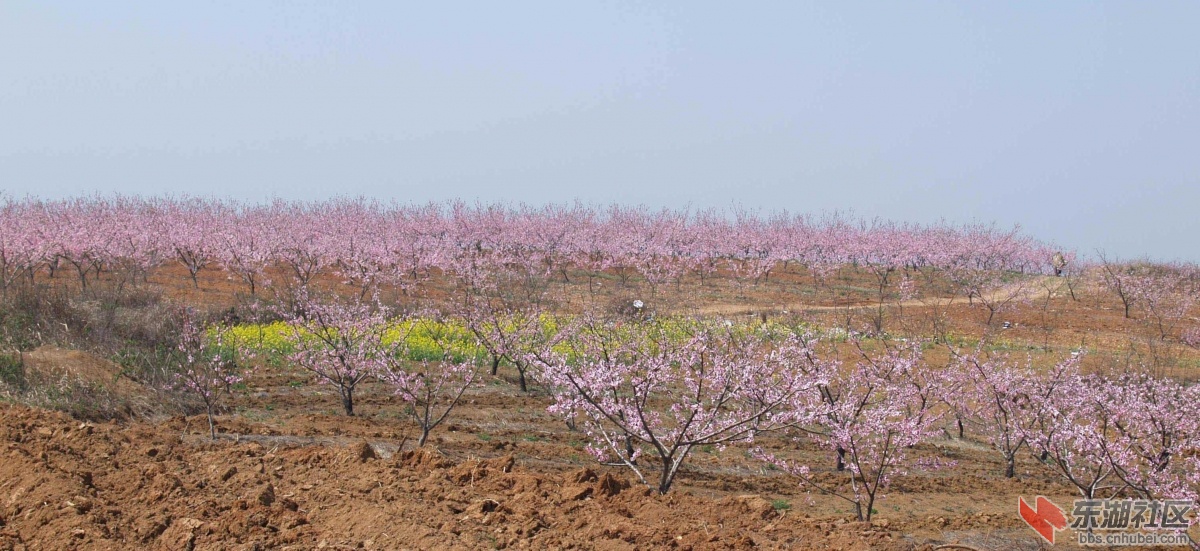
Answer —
647 403
207 364
876 411
340 341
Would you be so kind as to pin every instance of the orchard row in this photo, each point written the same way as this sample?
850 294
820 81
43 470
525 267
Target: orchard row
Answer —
647 393
367 242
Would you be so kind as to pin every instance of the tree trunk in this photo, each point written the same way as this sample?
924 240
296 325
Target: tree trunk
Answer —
348 401
667 477
212 425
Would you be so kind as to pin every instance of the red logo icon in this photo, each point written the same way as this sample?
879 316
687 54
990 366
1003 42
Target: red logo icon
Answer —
1045 518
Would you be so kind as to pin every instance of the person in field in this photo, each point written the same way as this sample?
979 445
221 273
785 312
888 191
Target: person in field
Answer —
1060 263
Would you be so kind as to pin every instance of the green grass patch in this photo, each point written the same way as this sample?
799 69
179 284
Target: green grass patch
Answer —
12 370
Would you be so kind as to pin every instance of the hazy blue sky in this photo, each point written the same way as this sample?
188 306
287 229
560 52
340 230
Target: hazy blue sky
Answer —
1080 121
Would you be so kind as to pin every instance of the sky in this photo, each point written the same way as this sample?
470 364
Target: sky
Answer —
1077 121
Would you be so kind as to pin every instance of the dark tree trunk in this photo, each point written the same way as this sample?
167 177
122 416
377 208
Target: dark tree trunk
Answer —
667 477
212 425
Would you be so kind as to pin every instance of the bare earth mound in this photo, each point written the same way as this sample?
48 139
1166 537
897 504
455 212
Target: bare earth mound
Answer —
71 485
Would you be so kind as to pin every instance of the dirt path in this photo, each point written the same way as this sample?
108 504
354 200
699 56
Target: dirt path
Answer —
1035 288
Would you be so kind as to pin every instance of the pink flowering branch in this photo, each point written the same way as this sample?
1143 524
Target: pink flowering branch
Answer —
999 399
340 341
208 364
1073 432
1155 430
641 397
878 410
1191 337
431 389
